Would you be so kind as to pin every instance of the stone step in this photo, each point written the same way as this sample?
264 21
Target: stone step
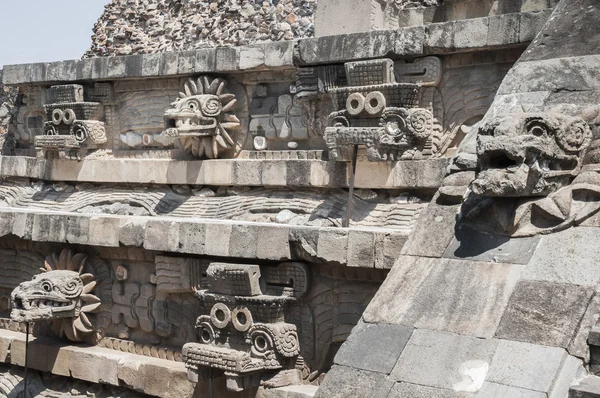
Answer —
588 387
305 391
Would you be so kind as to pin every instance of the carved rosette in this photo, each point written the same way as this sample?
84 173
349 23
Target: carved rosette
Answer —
201 120
62 293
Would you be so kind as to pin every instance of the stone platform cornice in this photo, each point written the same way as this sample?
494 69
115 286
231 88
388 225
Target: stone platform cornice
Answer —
499 31
238 172
363 247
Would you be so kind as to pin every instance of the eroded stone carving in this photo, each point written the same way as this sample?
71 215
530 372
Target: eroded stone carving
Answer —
244 329
529 179
201 120
73 123
379 113
529 154
62 293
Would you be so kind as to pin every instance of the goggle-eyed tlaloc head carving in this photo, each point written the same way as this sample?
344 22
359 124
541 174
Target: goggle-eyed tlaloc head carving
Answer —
200 118
529 154
61 293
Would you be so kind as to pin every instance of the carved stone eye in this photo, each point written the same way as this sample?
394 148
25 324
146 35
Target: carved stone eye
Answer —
46 286
537 128
193 106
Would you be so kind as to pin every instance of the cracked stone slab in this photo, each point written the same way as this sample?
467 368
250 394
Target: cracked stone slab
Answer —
544 313
344 382
430 298
445 360
374 347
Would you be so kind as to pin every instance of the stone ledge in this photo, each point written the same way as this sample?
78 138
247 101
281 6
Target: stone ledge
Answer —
497 31
158 377
217 60
354 247
239 172
444 37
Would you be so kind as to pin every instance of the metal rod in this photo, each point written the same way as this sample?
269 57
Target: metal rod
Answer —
351 190
26 351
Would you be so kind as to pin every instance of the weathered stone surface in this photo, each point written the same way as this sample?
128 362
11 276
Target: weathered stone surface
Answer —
402 390
544 313
306 391
446 357
374 347
588 387
567 257
473 245
493 390
431 300
524 365
571 371
343 382
335 18
433 232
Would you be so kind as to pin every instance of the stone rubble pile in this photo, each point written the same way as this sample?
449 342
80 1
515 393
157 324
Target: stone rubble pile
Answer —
150 26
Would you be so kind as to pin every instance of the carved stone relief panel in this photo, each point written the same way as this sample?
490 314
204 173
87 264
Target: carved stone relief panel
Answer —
277 120
73 123
31 116
379 113
277 323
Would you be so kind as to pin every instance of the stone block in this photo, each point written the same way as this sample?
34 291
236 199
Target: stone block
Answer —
99 67
6 223
132 232
430 298
252 56
278 54
587 387
218 172
388 248
274 173
78 229
217 239
243 240
493 390
169 63
247 172
192 237
166 379
405 390
104 231
585 332
273 243
93 364
474 245
544 313
151 64
471 33
23 225
374 347
161 235
130 373
186 63
227 59
205 60
531 23
568 256
294 391
571 370
452 361
503 30
433 232
361 249
332 245
336 18
525 365
345 382
117 67
49 228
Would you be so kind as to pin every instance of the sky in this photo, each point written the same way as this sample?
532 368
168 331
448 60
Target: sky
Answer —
45 30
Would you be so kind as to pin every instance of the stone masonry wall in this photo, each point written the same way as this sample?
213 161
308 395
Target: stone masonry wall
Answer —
150 26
